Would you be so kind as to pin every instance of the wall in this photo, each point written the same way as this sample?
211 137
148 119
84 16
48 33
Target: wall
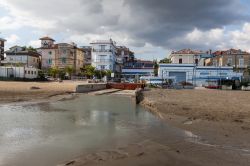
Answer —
90 87
186 59
18 72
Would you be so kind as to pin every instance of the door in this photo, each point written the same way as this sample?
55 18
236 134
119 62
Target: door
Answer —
179 76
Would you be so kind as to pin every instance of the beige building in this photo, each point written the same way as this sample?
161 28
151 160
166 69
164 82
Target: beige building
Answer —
187 56
60 55
238 59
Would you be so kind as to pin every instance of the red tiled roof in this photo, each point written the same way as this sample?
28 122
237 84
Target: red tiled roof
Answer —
230 51
187 51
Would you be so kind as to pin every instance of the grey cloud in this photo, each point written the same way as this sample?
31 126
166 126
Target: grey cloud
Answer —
158 22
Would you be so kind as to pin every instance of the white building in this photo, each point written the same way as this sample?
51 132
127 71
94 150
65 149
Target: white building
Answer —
104 54
188 56
197 75
18 72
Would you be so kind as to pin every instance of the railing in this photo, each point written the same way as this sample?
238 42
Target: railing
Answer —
103 60
102 50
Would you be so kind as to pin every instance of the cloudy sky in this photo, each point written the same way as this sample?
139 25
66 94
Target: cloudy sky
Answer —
151 28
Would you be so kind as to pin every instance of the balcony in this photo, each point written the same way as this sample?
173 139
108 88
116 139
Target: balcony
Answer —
102 50
103 61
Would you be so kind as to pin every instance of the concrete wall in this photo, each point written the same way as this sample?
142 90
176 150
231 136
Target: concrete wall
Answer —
18 72
90 87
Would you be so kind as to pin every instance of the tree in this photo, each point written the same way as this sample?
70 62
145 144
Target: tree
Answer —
88 71
53 72
69 70
165 60
156 67
29 48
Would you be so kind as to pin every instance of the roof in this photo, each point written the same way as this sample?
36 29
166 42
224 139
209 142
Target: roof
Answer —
188 51
47 38
1 39
231 52
29 53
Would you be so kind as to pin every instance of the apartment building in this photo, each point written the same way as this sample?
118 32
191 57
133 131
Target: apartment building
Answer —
104 54
60 55
2 41
238 59
87 54
22 57
188 56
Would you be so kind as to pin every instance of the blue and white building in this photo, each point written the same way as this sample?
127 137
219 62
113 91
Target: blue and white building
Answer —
197 75
104 54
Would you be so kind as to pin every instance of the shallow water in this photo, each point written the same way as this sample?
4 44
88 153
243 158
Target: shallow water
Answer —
50 133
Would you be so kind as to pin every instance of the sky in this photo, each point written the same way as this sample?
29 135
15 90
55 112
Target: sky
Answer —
150 28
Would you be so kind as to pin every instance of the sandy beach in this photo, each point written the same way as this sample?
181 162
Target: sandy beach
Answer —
26 91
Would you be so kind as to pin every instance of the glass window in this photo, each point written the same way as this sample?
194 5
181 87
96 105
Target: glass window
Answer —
241 62
180 61
102 47
28 72
63 60
229 61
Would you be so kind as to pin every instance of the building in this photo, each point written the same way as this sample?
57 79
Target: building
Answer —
238 59
137 68
87 55
60 55
21 72
197 75
2 41
21 56
188 56
104 55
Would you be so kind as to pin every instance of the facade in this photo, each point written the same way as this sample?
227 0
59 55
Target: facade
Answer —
2 41
104 55
238 59
197 75
137 69
188 56
20 56
87 55
60 55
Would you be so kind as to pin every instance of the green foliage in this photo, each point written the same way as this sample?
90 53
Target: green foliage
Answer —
165 60
88 71
156 67
41 74
53 72
61 74
69 70
29 48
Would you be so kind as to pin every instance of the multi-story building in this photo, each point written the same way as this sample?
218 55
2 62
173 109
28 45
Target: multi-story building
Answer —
21 56
60 55
104 54
87 54
137 68
238 59
2 41
188 56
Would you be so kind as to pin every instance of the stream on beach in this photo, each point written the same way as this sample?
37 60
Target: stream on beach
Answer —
53 132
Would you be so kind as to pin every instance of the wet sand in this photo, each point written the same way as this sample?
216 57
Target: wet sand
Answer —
217 123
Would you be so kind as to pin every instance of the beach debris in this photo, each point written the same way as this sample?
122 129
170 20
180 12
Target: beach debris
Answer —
34 88
71 162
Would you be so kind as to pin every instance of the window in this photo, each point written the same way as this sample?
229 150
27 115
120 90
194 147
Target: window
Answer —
196 61
28 72
32 72
102 67
50 52
230 61
34 60
35 72
25 71
180 61
102 47
63 60
64 51
50 61
241 62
